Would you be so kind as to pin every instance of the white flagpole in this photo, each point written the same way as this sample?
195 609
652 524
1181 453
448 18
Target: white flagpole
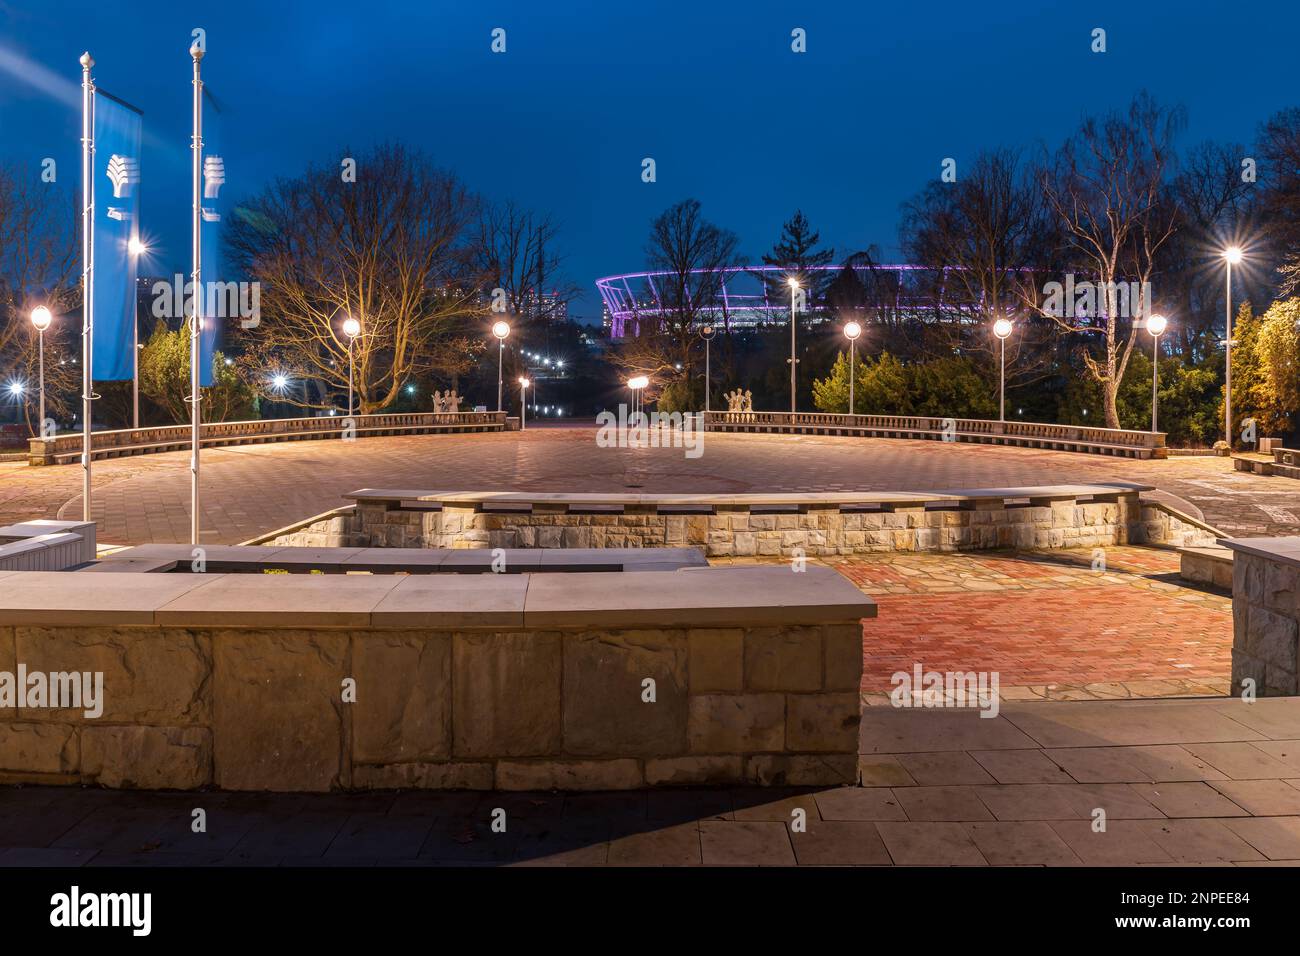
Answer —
196 144
87 273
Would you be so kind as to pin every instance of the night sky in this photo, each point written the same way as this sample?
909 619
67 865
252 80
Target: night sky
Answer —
562 120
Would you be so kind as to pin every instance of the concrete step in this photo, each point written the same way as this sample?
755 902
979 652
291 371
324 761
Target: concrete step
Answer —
1212 566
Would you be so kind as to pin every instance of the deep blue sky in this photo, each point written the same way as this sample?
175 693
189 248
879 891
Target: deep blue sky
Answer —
711 90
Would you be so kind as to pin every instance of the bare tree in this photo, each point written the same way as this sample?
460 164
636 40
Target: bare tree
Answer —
1105 185
392 250
1279 149
517 251
696 255
38 267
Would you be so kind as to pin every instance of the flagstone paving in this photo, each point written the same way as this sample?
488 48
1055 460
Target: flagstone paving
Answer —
252 489
1202 781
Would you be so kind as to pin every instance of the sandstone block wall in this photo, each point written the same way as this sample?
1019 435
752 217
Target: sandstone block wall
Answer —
1266 624
737 531
265 709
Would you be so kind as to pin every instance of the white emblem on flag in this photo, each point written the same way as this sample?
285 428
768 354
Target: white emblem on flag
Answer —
123 173
214 176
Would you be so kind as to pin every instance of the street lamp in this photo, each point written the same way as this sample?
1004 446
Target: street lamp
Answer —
136 248
852 330
707 334
1155 325
1231 256
41 318
523 406
794 291
500 329
1002 328
636 384
351 328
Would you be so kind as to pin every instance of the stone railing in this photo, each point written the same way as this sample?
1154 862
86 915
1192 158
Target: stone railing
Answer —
703 676
66 448
1101 441
788 525
1265 615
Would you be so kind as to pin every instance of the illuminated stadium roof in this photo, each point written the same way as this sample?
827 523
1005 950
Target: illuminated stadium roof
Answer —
743 301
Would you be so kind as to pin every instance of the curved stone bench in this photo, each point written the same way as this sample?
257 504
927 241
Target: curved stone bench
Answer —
785 524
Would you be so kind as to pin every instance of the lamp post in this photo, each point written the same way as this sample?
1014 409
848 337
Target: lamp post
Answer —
41 318
523 403
852 330
707 334
794 291
351 328
1002 328
636 384
136 248
500 329
1231 257
1155 325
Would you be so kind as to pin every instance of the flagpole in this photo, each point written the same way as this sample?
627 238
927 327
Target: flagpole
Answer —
196 144
87 273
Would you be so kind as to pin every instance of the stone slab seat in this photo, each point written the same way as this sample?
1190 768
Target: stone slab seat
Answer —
396 496
255 558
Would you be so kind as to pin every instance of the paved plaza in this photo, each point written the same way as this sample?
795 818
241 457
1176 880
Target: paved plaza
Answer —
1206 782
252 489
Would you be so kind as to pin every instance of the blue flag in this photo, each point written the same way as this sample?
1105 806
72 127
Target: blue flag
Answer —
118 129
214 213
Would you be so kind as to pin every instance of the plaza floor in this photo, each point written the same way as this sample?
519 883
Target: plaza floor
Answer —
1192 782
252 489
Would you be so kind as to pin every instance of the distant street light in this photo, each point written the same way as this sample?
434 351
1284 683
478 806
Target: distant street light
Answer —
852 330
523 403
351 328
500 330
41 318
636 384
1002 328
1155 325
1231 256
794 291
707 334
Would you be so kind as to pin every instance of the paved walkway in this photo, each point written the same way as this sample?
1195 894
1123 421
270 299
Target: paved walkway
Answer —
1048 623
253 489
1207 781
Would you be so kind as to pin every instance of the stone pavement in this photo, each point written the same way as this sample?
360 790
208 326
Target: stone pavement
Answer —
253 489
1048 623
1208 781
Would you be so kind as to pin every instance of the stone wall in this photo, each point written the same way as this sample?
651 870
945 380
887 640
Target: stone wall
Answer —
816 529
580 679
264 709
1265 617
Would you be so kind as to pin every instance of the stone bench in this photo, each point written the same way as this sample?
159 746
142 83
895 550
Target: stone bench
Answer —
701 676
46 545
305 560
778 525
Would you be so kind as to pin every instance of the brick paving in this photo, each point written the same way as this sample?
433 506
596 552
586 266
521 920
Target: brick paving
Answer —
1206 781
1046 622
253 489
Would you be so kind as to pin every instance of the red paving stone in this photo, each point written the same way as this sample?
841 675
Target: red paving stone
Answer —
1071 636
